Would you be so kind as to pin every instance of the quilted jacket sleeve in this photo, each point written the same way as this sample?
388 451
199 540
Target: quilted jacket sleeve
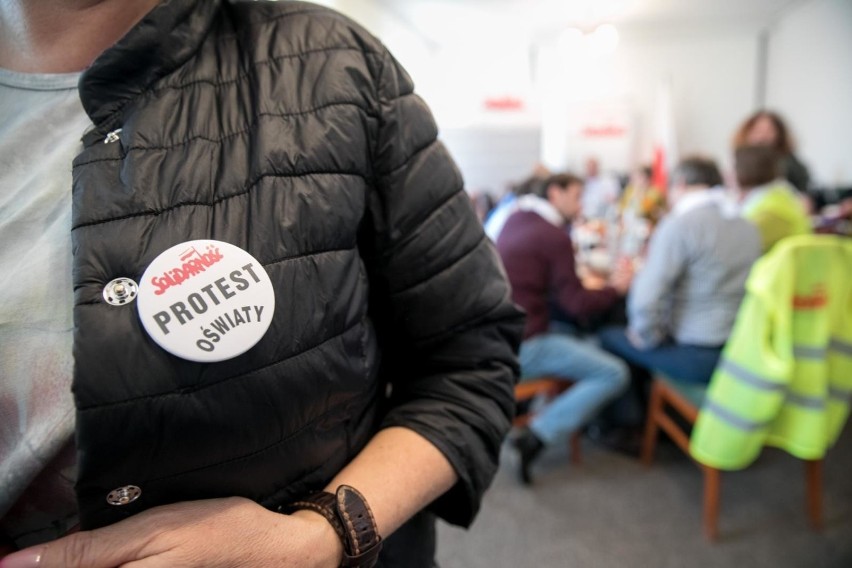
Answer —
439 298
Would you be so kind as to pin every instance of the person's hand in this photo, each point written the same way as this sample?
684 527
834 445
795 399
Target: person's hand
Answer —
634 339
622 276
215 533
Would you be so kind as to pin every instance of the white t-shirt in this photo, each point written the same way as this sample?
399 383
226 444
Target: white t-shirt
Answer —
41 123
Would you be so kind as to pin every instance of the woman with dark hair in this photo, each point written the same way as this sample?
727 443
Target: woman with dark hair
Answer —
767 128
767 200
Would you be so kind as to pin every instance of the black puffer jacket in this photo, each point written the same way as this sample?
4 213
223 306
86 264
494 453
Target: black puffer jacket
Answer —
288 131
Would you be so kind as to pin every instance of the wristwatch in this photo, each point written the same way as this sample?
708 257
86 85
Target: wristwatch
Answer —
349 514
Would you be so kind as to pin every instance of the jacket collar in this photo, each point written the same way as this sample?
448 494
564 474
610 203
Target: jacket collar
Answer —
717 196
541 207
160 43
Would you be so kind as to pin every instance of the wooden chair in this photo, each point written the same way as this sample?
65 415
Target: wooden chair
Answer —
547 387
686 401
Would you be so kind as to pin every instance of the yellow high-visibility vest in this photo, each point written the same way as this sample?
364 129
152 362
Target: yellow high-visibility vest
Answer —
785 375
778 213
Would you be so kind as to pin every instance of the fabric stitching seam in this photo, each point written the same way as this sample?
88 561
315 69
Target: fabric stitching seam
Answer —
246 190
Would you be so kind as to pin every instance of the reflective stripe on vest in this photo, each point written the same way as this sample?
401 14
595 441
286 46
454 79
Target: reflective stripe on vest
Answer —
732 419
759 382
840 346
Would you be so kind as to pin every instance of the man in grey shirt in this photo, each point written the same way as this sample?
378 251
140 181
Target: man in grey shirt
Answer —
684 300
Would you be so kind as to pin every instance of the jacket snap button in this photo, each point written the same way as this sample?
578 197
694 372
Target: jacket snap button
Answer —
124 495
120 291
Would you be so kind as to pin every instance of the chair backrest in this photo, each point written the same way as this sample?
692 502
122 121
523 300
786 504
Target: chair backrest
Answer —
785 375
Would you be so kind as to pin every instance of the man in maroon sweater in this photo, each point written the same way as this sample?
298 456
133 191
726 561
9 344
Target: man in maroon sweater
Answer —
539 258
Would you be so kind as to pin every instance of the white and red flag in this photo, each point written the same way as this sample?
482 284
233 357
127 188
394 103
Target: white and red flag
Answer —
665 138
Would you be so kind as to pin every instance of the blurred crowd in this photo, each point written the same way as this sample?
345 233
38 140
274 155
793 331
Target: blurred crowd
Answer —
621 278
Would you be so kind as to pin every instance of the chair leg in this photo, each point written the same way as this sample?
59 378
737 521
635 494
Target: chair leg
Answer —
649 439
813 476
712 482
575 449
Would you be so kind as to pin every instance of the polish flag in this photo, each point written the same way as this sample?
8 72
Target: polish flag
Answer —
665 141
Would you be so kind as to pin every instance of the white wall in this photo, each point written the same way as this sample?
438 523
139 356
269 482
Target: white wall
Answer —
712 73
712 77
810 84
712 69
493 158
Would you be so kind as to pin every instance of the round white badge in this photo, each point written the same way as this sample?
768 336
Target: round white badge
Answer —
205 301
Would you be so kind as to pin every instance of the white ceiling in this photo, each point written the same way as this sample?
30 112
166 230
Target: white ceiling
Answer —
432 19
590 12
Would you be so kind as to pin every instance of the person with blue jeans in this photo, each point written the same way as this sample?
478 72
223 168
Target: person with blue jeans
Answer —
538 255
599 378
685 363
682 304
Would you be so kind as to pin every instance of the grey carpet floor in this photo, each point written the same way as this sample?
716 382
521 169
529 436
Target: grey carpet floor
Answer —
610 511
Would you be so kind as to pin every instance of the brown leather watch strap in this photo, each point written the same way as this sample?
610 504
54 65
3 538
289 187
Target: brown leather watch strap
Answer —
323 503
352 520
363 542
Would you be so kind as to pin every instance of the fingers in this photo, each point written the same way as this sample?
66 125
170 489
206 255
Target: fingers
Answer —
93 549
103 548
222 532
28 558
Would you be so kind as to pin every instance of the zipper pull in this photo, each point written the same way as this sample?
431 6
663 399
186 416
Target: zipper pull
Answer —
112 136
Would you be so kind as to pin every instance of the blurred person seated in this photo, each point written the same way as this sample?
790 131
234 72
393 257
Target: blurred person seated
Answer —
768 200
682 304
766 128
539 258
641 199
508 204
601 191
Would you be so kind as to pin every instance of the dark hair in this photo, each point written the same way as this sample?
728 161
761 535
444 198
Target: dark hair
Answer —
562 180
784 144
697 170
756 165
529 185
